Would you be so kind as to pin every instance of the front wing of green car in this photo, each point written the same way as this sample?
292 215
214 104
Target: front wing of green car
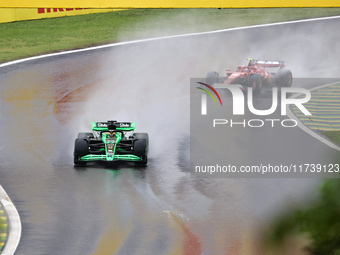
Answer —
92 157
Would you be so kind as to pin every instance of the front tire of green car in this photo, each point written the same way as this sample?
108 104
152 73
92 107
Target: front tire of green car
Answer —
80 149
140 147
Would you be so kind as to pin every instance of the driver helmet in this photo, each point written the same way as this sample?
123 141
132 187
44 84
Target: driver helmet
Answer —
111 135
252 62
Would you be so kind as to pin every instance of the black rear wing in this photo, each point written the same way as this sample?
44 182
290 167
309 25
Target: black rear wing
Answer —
113 125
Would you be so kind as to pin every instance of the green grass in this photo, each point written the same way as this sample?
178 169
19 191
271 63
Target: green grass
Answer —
333 135
2 225
28 38
3 228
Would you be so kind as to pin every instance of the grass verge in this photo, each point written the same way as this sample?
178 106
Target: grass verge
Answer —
333 135
3 228
29 38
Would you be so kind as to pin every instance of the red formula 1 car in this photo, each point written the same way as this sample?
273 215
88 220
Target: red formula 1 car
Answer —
257 74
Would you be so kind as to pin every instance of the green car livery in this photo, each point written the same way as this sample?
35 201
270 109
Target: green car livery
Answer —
111 141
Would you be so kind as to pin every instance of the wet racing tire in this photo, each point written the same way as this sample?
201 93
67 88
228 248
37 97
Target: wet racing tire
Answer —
255 82
284 78
212 78
80 149
140 147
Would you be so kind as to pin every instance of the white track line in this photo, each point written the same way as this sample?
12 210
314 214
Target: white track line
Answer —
14 233
291 115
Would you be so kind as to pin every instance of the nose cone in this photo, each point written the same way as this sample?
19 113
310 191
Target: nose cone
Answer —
110 148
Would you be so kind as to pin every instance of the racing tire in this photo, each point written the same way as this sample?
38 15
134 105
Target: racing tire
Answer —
140 147
255 82
284 78
212 78
81 149
87 135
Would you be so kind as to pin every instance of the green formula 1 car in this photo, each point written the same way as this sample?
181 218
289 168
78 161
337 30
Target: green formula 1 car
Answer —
111 141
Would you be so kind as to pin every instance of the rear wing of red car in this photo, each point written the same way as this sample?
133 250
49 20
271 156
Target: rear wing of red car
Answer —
269 63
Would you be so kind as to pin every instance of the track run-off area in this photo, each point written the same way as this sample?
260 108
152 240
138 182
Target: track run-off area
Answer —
123 209
324 106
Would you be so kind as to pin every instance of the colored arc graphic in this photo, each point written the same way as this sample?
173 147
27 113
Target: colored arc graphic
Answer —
208 94
213 90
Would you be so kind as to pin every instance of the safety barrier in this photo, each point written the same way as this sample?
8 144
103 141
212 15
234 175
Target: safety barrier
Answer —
16 14
117 4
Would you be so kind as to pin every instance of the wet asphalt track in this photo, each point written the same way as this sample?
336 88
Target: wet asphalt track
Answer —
159 209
